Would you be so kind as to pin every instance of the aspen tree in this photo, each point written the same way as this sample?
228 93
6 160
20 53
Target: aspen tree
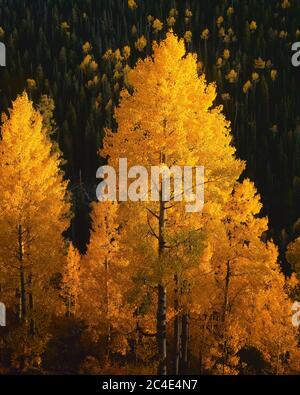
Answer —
103 280
168 118
71 279
33 215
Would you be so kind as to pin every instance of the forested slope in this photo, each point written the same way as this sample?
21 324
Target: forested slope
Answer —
44 43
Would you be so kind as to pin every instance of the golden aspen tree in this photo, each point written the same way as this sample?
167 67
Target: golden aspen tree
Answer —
71 279
242 273
33 215
270 328
293 255
103 281
168 119
243 262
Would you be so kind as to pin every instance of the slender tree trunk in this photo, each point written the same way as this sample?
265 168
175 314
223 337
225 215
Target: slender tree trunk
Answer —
225 310
162 293
69 306
202 345
108 334
162 330
31 306
177 328
185 343
23 309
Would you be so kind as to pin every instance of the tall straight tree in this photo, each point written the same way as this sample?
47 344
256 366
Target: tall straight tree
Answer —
103 282
167 118
33 216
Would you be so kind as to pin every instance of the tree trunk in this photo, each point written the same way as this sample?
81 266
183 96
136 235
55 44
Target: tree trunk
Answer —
185 344
177 328
23 309
69 298
225 309
31 305
162 293
108 334
162 330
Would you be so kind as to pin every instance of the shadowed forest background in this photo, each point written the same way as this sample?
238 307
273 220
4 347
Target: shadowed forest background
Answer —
73 59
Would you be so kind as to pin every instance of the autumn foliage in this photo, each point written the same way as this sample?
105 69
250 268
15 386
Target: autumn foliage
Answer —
158 289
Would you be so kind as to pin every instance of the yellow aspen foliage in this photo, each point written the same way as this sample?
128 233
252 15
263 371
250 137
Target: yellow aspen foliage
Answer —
2 32
226 39
162 76
150 19
86 48
283 34
274 74
221 32
293 255
188 36
226 54
109 55
157 25
188 13
255 77
285 4
93 66
70 279
117 75
141 43
109 105
219 21
65 26
200 67
205 34
168 118
117 55
126 71
219 63
88 63
230 11
247 86
104 278
259 63
132 4
171 21
244 290
232 76
225 96
31 84
173 12
33 216
126 52
230 32
273 333
253 26
133 30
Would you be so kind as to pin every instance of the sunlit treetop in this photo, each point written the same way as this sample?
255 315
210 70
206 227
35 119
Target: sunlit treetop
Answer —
157 25
170 109
132 4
